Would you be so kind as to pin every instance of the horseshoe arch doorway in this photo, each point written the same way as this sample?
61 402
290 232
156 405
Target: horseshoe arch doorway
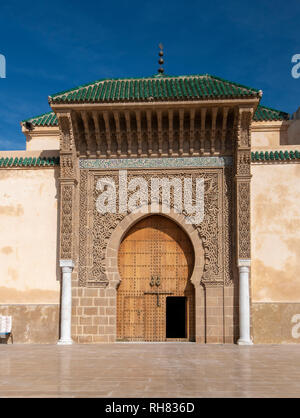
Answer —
156 299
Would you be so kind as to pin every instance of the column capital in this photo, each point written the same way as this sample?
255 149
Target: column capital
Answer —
244 262
66 263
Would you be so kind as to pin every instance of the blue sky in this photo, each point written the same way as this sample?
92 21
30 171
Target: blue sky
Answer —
53 46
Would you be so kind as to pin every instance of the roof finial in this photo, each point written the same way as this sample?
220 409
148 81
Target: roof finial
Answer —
161 61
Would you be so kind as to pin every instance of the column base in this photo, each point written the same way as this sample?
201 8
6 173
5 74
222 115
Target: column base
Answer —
244 342
65 342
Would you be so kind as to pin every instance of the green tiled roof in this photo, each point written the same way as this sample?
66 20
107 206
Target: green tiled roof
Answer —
158 88
28 162
264 113
275 155
46 119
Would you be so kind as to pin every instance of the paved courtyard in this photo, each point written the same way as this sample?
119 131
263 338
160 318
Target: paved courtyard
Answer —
149 370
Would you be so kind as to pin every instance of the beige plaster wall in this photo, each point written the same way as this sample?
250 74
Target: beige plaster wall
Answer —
276 323
275 135
40 143
275 211
42 138
28 236
268 135
275 235
32 323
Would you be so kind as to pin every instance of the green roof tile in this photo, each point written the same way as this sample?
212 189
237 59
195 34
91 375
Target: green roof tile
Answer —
28 162
160 88
266 114
181 87
275 155
47 119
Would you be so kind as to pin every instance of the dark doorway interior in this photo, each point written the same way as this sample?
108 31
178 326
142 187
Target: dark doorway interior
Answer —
176 317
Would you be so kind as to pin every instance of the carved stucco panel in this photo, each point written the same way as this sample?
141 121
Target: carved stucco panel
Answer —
96 229
244 128
66 229
243 179
66 166
243 206
243 163
64 122
229 226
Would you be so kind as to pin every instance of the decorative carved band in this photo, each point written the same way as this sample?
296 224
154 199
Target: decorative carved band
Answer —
209 283
243 204
244 128
64 122
66 221
66 166
67 155
67 181
243 167
243 177
170 162
83 228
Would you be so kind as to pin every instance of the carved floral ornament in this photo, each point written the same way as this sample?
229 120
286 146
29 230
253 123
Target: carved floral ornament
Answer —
65 131
244 247
96 229
244 127
243 163
66 229
243 177
66 166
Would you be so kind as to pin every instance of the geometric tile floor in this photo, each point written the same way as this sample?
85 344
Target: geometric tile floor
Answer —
149 370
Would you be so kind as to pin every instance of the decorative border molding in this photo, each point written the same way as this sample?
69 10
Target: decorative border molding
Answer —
180 162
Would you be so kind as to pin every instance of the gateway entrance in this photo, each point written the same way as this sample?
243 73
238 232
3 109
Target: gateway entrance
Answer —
176 317
155 299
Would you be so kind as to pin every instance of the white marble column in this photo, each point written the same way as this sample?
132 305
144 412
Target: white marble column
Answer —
66 302
244 303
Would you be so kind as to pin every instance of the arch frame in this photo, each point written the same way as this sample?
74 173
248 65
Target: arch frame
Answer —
112 249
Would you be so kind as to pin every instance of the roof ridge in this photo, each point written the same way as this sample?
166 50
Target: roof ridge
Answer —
156 77
261 111
271 108
232 82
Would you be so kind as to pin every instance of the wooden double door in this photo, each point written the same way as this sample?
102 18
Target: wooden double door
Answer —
155 299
